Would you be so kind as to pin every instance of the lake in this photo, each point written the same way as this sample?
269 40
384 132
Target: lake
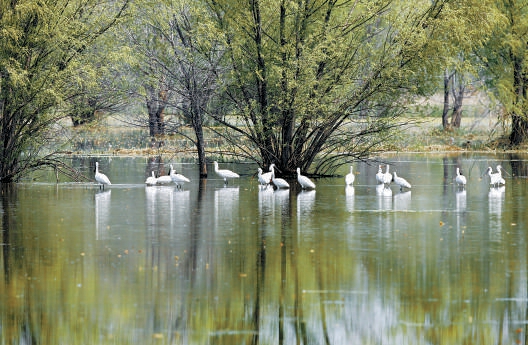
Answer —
238 264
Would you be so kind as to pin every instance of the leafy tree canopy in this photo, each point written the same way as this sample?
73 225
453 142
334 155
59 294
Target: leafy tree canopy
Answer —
40 44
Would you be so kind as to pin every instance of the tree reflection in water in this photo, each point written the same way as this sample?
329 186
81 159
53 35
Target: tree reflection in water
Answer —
235 265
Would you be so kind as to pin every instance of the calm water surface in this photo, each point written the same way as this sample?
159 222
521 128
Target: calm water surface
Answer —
240 265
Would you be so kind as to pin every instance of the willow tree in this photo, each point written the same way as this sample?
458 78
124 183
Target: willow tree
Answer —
40 42
314 83
505 56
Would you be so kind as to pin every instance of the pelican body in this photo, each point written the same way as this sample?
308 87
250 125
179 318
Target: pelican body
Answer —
304 181
400 181
379 175
151 180
460 179
165 179
387 177
495 178
350 177
264 179
101 178
178 179
278 182
224 173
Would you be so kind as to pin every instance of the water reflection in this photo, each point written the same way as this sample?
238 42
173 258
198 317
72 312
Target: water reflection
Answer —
102 213
461 214
282 197
226 267
495 205
402 201
226 206
349 193
496 199
182 209
305 203
266 200
159 207
384 197
461 196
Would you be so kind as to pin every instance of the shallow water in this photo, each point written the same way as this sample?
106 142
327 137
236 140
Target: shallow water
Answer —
236 264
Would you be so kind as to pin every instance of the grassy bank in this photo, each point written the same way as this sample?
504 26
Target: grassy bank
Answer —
481 130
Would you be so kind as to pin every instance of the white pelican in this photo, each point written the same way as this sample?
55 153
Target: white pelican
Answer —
278 182
495 178
387 177
460 179
178 179
379 175
224 173
400 181
499 171
151 180
165 179
304 181
268 175
264 179
101 178
349 178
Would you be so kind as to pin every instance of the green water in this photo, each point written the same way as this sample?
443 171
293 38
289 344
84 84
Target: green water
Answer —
241 265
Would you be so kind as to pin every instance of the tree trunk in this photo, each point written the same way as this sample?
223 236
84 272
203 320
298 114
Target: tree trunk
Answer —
445 117
197 124
519 122
156 110
200 146
288 120
519 129
456 117
261 79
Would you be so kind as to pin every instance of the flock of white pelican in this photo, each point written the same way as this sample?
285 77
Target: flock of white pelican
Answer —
268 178
386 179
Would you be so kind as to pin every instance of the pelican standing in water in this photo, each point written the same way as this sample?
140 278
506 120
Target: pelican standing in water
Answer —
495 178
379 175
350 177
165 179
400 181
101 178
387 177
499 171
151 180
278 182
268 175
264 179
304 181
224 173
178 179
460 179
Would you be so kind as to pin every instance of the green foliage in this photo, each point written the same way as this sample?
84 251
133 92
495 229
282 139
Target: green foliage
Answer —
316 82
39 45
505 57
